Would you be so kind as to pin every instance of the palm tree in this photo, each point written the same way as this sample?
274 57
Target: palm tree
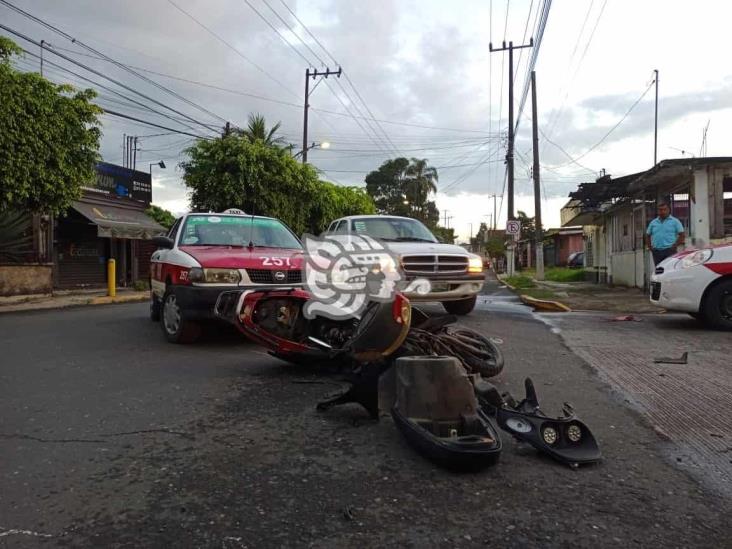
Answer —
256 130
421 180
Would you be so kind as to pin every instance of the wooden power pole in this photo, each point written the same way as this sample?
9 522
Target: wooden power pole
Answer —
308 75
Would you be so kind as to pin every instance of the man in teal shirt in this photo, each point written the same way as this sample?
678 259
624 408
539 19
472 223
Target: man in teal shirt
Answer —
665 233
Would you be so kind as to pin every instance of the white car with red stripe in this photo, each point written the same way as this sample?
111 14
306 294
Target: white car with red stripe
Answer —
206 254
698 282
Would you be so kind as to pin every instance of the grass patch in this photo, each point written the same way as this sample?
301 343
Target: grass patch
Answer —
564 274
520 282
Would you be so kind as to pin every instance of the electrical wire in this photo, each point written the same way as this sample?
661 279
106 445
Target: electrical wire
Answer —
573 160
116 63
232 48
97 73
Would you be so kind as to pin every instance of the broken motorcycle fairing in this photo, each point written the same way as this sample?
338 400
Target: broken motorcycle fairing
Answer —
565 438
274 318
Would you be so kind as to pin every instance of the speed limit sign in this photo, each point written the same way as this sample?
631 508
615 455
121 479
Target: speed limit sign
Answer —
513 227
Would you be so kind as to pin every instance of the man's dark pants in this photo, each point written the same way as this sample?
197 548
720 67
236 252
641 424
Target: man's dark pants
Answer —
660 255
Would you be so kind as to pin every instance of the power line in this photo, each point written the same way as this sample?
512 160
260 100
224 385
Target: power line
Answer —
560 111
151 124
116 63
137 105
278 33
345 74
309 33
93 71
277 101
323 63
232 48
611 130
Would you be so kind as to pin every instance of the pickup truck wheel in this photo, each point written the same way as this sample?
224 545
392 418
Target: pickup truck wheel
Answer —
460 307
154 307
176 328
717 306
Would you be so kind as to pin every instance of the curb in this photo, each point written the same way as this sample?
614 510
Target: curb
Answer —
66 304
544 304
107 300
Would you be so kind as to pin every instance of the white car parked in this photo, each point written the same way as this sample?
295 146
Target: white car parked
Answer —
698 282
456 276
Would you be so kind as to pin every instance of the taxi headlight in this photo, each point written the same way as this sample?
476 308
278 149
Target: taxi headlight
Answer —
221 276
475 264
697 258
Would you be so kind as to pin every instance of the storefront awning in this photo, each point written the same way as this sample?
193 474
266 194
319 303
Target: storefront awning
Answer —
117 222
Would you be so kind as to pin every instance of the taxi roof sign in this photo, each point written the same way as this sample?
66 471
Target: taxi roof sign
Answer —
234 211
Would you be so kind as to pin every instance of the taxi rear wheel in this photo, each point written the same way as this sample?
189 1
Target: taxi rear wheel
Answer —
176 327
717 306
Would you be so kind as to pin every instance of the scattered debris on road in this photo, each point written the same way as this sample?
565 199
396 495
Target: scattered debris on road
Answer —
683 359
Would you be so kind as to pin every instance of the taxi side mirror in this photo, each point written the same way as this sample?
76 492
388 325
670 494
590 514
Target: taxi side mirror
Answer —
163 242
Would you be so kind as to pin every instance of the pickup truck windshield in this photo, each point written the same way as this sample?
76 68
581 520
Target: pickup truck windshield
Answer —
393 229
227 230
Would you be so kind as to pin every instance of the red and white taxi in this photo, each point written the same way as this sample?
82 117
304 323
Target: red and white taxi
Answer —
206 254
698 282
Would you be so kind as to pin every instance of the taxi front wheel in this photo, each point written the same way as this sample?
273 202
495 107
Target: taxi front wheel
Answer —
176 327
717 305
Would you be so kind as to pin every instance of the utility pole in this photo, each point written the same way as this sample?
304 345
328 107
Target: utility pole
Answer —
509 152
655 124
537 183
494 219
124 150
445 222
308 75
42 42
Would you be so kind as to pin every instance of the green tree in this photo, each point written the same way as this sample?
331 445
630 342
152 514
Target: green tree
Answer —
403 187
49 139
444 234
527 226
256 130
421 181
162 216
235 172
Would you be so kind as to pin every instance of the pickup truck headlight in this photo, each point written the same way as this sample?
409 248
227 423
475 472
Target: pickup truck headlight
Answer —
475 264
697 258
215 276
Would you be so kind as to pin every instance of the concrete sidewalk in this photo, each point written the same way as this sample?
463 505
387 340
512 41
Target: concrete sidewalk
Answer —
588 296
63 299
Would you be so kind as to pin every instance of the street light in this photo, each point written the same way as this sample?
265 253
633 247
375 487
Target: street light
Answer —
160 164
323 145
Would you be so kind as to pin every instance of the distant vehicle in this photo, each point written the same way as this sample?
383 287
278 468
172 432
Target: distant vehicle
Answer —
205 254
456 275
698 282
576 260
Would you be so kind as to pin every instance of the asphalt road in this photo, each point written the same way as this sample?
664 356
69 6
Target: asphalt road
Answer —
111 437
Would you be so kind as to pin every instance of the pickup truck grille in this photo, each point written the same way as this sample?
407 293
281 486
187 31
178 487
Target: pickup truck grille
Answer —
267 276
434 264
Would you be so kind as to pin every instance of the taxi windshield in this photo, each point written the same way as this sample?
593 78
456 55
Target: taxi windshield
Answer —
229 230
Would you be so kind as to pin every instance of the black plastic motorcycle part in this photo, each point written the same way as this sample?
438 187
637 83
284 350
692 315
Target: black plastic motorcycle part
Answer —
565 438
469 444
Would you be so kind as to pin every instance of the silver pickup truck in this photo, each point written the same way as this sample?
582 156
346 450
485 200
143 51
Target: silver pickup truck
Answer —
456 276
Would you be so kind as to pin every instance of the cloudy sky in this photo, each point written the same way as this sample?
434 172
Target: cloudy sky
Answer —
419 81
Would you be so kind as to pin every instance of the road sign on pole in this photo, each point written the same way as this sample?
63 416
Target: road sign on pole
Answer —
513 227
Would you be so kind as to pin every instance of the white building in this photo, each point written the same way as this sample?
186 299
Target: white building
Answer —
616 212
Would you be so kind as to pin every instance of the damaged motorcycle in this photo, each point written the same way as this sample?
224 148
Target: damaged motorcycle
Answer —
426 372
